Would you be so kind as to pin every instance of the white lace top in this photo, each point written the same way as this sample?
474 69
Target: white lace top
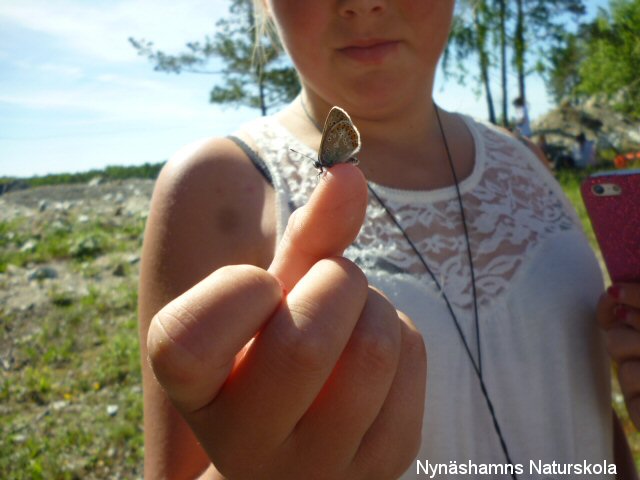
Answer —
537 284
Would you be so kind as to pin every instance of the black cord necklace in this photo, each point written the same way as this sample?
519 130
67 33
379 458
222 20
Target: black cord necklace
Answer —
477 366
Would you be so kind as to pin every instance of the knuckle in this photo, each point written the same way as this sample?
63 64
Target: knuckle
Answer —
380 303
168 356
249 277
301 349
413 344
237 270
294 227
159 345
340 284
351 274
307 353
357 278
380 293
378 351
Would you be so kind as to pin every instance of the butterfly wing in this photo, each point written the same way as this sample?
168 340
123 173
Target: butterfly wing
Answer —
340 139
336 115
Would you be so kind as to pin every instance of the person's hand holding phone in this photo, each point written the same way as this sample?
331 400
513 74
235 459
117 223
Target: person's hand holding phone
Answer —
619 316
300 371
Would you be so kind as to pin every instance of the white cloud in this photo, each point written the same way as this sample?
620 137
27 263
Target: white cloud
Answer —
59 69
124 101
142 84
101 31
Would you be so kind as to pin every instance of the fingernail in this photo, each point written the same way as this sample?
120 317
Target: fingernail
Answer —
620 312
614 292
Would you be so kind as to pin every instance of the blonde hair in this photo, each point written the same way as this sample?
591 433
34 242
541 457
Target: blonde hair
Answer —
263 28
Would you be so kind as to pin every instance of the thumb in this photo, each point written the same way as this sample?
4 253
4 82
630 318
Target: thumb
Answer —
325 226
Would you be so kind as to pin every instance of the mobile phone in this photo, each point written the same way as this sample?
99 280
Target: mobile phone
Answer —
612 200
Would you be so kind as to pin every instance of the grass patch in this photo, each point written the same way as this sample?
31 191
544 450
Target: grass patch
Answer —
79 362
70 386
24 243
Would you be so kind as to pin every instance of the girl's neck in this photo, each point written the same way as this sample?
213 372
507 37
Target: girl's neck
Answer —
402 148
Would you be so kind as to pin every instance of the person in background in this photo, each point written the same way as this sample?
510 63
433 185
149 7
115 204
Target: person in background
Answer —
584 152
523 124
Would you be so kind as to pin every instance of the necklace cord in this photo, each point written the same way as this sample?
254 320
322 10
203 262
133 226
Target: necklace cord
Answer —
308 114
476 366
466 237
483 386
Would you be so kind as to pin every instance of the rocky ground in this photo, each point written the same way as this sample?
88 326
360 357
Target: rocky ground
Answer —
49 207
611 132
70 395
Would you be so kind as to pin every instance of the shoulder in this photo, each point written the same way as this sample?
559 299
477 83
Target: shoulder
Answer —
214 171
210 201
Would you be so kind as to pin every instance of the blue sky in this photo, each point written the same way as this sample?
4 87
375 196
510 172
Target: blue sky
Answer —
74 95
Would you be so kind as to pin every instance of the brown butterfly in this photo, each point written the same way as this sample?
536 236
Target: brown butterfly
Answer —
340 140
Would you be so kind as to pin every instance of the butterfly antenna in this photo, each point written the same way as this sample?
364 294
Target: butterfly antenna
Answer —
303 154
316 164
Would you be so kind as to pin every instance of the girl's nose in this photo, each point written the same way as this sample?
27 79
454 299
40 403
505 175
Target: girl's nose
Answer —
352 8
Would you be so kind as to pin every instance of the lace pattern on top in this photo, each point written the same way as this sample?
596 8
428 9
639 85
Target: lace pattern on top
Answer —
511 205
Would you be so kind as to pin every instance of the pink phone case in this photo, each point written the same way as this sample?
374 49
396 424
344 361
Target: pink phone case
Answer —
612 200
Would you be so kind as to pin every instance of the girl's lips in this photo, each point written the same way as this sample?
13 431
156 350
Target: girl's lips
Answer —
372 53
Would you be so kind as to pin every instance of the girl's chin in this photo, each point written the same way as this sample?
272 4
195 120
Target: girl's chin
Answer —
381 100
377 94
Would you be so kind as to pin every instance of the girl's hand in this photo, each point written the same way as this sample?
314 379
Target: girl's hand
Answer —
301 371
619 315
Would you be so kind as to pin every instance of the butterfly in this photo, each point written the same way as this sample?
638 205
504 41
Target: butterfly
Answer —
340 141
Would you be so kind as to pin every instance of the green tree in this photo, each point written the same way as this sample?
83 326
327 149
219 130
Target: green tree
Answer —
562 70
507 34
611 67
469 36
503 14
543 24
254 70
479 27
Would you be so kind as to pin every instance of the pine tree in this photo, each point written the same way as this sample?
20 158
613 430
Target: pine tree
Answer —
611 67
258 76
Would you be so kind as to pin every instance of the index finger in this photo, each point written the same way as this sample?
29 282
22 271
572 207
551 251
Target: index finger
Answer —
324 227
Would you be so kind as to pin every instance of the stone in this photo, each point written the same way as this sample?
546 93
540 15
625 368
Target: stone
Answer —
95 181
29 246
42 273
119 270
